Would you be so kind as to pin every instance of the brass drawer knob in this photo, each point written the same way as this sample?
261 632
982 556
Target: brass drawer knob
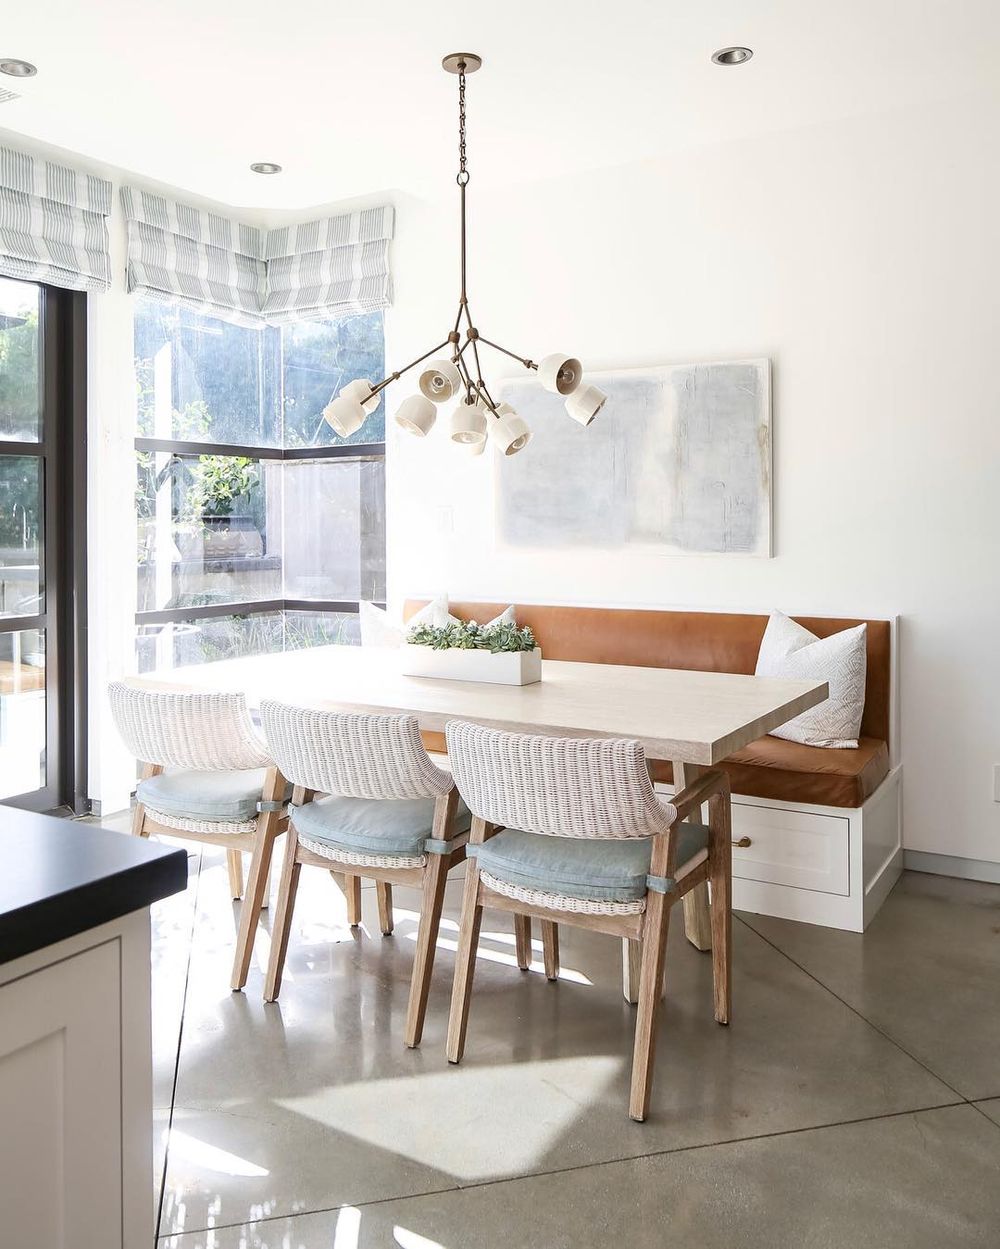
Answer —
742 843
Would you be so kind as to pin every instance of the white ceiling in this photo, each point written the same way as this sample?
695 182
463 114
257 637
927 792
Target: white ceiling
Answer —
351 100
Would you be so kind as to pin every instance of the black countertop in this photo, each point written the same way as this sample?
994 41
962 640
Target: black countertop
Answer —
61 877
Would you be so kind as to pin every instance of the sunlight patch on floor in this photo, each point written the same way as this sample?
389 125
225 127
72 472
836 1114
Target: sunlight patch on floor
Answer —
201 1154
455 1121
411 1240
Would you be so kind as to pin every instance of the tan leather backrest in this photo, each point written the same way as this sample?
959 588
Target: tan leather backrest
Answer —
700 641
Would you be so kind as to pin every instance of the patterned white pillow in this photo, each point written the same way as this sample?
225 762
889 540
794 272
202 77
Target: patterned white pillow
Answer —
378 628
789 650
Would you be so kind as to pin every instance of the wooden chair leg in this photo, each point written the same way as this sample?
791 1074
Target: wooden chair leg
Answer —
697 924
260 868
265 902
465 964
287 889
383 891
631 966
721 876
435 878
522 941
234 860
139 821
550 949
351 885
647 1017
139 813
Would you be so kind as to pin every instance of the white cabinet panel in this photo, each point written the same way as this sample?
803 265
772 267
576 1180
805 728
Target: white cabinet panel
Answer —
794 848
60 1104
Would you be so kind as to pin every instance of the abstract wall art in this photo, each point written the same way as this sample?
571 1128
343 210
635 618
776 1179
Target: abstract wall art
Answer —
678 460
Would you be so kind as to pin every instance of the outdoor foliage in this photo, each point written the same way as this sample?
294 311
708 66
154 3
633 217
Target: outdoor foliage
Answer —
19 391
218 481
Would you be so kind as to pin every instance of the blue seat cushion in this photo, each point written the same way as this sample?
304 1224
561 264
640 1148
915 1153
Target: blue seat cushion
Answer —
392 826
227 797
595 869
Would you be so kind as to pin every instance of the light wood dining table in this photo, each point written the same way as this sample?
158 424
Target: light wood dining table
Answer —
692 719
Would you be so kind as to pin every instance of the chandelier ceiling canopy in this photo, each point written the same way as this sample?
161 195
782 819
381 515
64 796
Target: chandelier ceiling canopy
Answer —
452 370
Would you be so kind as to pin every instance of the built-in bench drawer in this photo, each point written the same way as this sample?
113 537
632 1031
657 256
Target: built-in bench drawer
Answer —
791 848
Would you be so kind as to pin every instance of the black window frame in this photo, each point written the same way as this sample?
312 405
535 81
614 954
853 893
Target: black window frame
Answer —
62 449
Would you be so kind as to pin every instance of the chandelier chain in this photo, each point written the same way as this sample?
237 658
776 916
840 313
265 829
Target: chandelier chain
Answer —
463 170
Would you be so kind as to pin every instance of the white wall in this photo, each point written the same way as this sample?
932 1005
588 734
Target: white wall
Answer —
862 257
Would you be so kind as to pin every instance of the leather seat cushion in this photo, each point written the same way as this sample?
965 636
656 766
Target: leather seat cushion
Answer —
791 772
597 869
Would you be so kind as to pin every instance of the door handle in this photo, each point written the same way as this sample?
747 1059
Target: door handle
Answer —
743 843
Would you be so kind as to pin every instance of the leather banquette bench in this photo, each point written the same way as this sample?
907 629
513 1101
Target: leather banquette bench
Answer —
769 770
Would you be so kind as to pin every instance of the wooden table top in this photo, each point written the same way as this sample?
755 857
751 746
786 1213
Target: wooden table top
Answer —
688 717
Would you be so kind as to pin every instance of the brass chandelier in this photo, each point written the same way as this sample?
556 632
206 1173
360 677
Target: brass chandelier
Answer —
455 371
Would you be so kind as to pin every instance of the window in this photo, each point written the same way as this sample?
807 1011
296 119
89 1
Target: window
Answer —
258 527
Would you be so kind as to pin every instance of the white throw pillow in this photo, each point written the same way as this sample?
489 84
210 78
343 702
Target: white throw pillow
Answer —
378 628
506 617
789 650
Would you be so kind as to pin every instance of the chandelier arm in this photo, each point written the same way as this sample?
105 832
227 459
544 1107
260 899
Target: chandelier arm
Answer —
470 385
475 353
528 364
394 377
484 391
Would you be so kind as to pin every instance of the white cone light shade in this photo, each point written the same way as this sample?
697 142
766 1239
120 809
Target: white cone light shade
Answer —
345 414
510 432
468 423
361 389
417 415
560 374
472 448
440 381
585 403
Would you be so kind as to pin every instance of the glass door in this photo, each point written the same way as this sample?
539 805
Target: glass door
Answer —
42 466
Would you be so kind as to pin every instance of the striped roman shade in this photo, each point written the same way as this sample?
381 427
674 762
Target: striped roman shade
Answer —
53 223
329 267
197 258
228 269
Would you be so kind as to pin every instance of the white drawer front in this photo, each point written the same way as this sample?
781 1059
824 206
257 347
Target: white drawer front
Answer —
792 848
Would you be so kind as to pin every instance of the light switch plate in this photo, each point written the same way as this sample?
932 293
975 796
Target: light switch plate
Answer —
996 782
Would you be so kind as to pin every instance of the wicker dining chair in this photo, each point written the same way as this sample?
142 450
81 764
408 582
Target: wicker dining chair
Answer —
389 815
206 777
572 832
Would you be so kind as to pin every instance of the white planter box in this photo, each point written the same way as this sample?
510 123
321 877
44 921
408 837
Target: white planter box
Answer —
506 668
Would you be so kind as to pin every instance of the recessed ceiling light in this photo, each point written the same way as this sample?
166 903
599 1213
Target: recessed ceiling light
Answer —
265 166
18 69
732 56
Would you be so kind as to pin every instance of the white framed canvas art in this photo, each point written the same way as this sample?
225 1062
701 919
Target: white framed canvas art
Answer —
678 460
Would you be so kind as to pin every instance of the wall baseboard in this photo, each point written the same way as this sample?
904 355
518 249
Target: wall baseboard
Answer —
949 865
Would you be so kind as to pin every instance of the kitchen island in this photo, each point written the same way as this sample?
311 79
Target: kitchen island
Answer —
75 1064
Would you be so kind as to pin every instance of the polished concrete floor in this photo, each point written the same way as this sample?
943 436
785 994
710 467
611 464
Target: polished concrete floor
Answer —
854 1101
